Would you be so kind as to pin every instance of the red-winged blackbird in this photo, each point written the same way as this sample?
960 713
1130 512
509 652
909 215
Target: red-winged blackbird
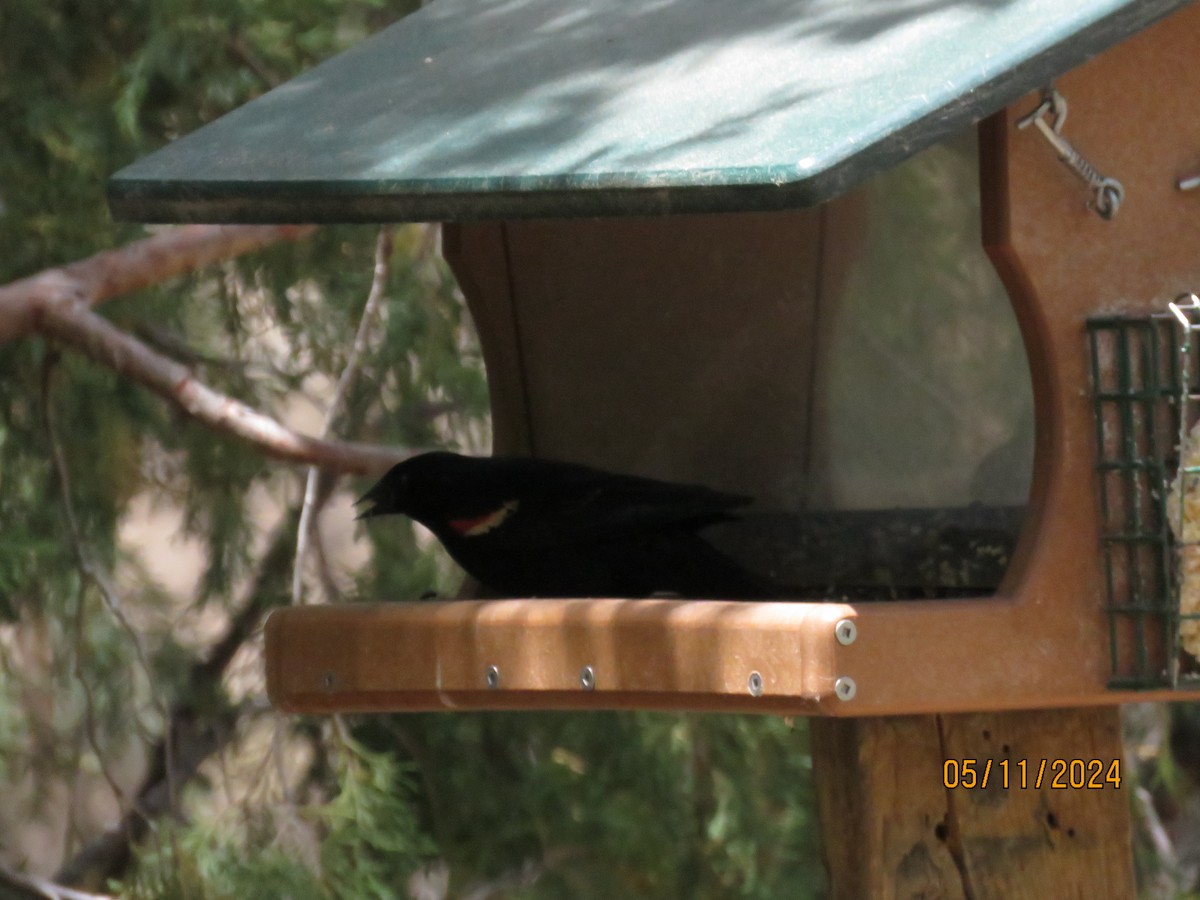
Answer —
534 528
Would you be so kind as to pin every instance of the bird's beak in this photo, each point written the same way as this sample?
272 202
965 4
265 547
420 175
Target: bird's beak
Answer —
371 510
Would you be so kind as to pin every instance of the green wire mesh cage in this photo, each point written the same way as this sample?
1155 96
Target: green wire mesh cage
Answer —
1146 389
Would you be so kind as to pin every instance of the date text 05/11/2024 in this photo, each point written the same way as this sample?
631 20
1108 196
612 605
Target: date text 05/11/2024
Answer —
1055 774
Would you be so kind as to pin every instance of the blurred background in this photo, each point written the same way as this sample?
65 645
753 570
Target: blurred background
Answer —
140 550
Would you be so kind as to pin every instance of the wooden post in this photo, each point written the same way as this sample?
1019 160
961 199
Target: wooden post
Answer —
892 828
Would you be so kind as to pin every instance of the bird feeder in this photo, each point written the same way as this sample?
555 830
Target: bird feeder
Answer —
656 213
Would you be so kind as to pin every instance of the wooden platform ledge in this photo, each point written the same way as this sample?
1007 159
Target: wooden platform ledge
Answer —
640 654
907 657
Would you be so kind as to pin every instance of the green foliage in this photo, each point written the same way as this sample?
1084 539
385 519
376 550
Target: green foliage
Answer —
616 804
543 806
374 842
86 87
368 845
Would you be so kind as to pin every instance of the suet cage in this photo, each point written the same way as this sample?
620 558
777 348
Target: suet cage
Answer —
1146 388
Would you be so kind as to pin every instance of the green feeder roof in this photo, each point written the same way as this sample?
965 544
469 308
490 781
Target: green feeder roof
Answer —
478 109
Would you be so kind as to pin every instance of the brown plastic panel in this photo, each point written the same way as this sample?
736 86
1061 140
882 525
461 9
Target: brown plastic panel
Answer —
1042 642
641 654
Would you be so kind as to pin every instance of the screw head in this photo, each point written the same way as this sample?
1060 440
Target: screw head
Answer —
845 688
587 678
492 676
755 684
846 632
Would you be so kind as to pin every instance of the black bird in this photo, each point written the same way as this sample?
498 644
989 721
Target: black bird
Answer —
535 528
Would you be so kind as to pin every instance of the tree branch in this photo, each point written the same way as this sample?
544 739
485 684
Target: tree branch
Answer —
194 731
92 571
58 303
17 886
112 273
309 511
71 322
523 878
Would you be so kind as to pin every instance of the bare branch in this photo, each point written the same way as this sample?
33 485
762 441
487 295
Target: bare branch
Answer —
329 585
17 886
309 511
57 302
72 323
523 878
242 52
194 735
122 270
89 573
1164 849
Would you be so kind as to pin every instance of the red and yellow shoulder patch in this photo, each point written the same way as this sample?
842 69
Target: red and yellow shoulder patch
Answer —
485 523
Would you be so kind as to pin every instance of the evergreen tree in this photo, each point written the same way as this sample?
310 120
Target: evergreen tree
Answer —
136 753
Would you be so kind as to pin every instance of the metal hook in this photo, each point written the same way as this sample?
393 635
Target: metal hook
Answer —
1055 104
1108 192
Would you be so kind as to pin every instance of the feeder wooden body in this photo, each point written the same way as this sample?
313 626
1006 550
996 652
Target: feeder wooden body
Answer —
600 337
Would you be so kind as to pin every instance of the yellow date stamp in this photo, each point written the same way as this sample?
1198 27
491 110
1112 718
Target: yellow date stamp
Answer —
1056 774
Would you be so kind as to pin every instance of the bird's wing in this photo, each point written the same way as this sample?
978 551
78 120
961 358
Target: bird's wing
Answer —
577 503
